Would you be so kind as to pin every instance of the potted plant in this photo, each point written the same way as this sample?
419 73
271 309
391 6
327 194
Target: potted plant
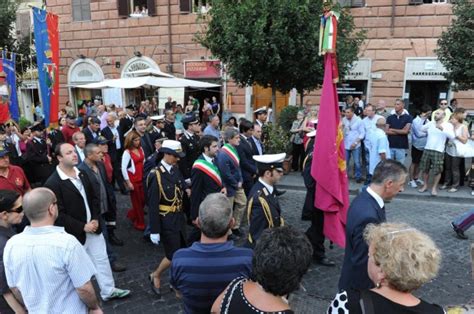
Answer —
277 140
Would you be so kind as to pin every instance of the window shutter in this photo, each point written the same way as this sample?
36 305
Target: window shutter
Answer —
185 5
123 10
357 3
415 2
151 7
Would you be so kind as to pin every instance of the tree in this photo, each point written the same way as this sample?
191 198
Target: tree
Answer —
7 23
274 43
456 46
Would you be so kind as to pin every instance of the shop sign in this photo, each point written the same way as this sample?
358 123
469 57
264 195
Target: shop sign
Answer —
202 69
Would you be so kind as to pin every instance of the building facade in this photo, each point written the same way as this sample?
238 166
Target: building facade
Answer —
108 38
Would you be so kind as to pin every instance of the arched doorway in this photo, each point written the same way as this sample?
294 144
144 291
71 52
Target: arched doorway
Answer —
83 71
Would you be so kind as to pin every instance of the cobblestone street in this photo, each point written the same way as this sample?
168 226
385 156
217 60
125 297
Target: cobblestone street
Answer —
454 284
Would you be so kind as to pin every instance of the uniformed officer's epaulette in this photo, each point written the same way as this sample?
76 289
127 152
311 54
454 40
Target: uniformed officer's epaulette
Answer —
163 170
263 191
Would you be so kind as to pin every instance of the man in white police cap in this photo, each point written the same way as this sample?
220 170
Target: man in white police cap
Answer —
261 116
165 191
263 209
158 124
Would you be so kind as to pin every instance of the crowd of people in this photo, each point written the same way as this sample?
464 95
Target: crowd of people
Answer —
201 183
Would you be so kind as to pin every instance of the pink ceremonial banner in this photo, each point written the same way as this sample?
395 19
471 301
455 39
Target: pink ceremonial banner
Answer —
328 167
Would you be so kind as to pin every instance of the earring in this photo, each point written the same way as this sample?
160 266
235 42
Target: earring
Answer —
378 285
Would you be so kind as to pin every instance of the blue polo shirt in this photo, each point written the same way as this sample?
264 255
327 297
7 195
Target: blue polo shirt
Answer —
201 272
398 122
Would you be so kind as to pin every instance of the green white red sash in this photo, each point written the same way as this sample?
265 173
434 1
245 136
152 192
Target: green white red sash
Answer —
208 168
230 151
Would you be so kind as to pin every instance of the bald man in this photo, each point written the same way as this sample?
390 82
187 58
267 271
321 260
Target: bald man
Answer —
45 258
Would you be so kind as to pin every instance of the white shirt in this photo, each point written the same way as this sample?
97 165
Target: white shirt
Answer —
166 165
16 141
117 137
79 186
207 158
418 137
376 196
47 265
370 125
353 131
436 138
378 144
266 185
80 151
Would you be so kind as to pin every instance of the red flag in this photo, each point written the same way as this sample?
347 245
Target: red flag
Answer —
4 109
52 21
329 165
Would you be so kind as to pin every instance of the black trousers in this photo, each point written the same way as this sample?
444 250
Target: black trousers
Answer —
315 231
298 157
117 175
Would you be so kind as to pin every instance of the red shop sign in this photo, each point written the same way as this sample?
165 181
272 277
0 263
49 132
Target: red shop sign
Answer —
202 69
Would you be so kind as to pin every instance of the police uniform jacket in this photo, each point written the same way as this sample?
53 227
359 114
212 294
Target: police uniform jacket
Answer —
147 144
37 156
164 197
201 186
263 212
125 124
170 130
190 145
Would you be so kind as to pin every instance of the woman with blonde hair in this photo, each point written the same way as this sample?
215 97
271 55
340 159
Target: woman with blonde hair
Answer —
132 170
401 260
453 157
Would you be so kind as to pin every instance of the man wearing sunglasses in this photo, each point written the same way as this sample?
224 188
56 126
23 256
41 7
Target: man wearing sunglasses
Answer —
443 107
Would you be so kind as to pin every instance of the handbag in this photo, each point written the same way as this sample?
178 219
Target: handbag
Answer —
464 150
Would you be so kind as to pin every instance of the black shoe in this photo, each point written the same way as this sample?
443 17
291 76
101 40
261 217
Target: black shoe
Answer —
154 289
124 192
114 240
237 232
324 261
459 233
280 192
117 267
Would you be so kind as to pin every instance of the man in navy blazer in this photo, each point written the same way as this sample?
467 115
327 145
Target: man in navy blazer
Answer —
247 164
228 162
368 208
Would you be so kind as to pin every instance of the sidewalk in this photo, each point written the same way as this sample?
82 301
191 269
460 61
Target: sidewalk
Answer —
294 181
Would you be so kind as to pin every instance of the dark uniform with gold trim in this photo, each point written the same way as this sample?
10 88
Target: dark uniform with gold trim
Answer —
165 202
263 212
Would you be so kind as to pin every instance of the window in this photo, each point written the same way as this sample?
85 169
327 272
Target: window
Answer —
414 2
81 10
195 6
23 23
352 3
136 8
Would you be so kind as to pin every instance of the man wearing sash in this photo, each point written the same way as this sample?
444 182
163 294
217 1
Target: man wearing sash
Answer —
205 179
263 209
228 162
165 191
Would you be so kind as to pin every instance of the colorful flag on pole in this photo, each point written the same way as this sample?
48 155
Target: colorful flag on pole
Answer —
9 67
329 165
4 95
47 56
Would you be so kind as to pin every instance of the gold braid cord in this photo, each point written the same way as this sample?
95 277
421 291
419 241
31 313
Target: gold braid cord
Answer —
176 201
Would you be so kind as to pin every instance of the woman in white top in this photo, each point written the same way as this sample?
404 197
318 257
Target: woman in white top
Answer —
453 159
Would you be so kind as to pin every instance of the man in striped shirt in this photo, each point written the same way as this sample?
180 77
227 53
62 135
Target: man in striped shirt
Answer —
201 272
47 269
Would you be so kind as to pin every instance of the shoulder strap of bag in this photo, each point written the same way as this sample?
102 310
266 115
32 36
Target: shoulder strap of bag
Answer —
366 304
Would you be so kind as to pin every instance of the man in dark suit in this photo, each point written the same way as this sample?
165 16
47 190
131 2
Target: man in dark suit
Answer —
190 144
255 140
112 134
78 213
205 179
247 164
228 162
95 171
79 140
145 138
368 208
169 127
263 209
126 123
92 131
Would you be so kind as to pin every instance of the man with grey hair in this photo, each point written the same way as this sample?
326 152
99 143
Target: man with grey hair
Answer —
45 258
368 208
228 162
213 252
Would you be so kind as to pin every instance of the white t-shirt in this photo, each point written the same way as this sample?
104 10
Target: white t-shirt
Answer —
378 144
436 138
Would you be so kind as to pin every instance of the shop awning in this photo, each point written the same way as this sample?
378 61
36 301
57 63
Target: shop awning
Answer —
147 81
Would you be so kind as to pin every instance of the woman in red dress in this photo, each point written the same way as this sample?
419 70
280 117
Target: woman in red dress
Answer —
132 171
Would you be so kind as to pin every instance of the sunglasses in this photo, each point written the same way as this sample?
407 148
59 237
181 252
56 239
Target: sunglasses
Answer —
16 210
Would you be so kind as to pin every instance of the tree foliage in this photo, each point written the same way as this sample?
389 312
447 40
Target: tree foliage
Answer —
456 46
7 23
274 43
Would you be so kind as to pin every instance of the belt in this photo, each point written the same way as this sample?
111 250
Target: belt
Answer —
166 209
